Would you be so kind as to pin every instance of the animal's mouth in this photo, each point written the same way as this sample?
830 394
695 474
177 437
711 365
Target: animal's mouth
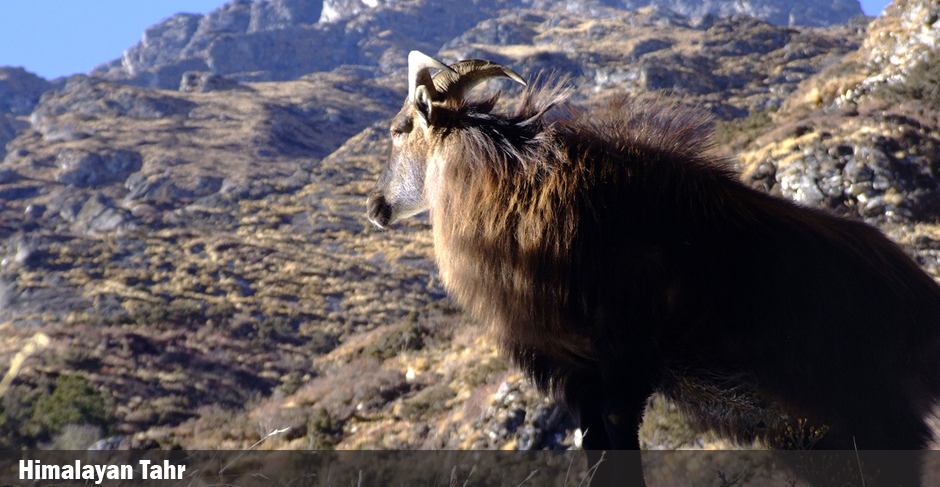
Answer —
379 211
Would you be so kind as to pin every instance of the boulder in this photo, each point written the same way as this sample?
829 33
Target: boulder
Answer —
81 169
163 188
99 215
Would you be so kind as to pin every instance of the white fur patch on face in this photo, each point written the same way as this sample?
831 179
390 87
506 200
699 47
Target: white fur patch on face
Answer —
404 191
408 212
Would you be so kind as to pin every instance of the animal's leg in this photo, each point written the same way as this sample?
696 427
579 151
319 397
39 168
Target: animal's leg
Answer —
622 421
612 466
584 393
591 421
596 443
622 414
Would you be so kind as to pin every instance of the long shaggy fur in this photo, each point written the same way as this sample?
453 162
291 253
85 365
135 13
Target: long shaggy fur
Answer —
611 239
614 256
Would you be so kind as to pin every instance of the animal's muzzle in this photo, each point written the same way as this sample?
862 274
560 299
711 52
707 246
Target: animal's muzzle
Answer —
379 210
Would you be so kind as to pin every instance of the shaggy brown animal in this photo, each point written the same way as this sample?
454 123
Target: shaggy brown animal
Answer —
614 257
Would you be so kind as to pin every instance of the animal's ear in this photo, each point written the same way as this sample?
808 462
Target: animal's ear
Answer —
423 104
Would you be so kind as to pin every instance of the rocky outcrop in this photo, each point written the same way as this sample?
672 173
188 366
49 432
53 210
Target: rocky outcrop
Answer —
99 216
283 14
19 94
93 97
20 91
861 137
285 39
203 81
181 43
334 10
777 12
89 169
8 128
60 113
729 64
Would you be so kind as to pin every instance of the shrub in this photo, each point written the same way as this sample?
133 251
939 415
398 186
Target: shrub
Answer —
16 412
175 315
409 335
325 432
58 411
73 401
921 82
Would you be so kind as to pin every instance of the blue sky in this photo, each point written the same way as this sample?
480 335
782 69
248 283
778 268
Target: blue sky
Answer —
55 38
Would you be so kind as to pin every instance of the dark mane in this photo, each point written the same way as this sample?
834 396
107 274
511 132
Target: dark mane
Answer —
510 142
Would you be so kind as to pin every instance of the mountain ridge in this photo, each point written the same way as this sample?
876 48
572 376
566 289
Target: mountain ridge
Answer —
265 41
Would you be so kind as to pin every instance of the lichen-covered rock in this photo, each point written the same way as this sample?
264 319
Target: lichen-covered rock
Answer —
906 33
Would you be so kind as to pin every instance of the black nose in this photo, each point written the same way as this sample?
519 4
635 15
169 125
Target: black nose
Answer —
379 211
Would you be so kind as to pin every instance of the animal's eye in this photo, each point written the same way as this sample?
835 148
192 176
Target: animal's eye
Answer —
399 128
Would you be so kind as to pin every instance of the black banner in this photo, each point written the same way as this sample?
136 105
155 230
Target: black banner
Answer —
459 468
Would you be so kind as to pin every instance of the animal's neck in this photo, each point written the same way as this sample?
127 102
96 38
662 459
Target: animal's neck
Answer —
504 252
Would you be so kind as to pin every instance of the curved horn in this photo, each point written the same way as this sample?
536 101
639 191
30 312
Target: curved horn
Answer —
419 65
455 82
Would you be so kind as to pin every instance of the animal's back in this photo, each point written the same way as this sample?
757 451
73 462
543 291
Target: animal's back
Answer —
806 308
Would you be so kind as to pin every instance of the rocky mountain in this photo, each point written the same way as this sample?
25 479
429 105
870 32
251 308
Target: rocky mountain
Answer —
19 95
191 267
787 12
273 40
